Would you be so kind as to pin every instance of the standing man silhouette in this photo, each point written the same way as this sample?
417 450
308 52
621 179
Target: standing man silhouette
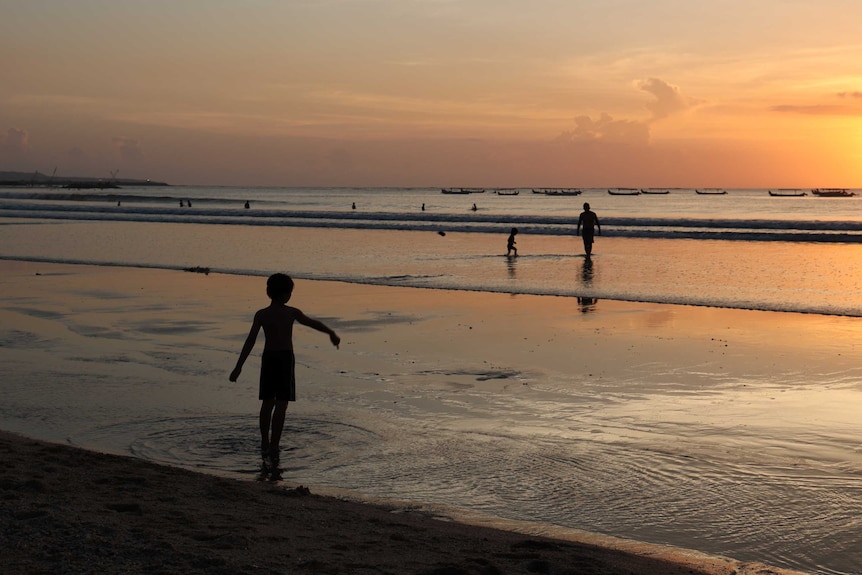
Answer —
590 222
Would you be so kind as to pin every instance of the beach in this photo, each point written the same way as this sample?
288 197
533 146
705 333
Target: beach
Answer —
440 412
67 510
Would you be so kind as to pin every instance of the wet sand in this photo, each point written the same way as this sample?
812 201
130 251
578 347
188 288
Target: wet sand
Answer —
70 510
66 510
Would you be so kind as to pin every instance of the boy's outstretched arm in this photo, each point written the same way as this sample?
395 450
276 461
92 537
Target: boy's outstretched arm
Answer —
246 348
319 326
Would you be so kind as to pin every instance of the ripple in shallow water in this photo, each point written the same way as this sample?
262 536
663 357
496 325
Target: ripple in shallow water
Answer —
752 508
229 445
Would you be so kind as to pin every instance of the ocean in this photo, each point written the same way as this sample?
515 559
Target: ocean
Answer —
743 249
759 462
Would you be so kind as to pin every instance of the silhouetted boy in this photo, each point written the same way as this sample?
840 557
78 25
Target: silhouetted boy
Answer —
510 247
277 379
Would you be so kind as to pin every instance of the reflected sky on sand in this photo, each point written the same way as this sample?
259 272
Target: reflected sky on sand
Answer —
728 431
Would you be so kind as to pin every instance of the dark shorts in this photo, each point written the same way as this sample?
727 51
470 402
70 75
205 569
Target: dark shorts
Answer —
588 237
277 377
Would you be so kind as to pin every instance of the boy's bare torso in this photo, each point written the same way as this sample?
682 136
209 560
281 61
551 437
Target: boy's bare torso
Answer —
277 322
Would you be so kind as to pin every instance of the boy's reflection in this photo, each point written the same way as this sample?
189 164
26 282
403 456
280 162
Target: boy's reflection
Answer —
510 266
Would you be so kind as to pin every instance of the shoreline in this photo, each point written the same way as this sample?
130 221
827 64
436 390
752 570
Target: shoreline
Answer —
637 332
612 300
68 509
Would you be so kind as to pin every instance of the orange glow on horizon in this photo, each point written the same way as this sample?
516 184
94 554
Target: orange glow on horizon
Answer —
383 93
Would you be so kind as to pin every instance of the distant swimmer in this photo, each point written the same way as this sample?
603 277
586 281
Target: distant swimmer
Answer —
423 207
247 205
474 208
189 203
590 221
181 203
510 246
354 205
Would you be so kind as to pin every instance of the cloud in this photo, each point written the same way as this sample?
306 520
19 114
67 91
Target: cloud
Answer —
853 107
127 148
606 129
811 110
668 100
16 140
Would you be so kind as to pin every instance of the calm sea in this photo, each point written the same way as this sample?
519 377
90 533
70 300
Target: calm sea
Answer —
762 463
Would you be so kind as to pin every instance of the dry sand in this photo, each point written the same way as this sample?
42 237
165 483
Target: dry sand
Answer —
65 510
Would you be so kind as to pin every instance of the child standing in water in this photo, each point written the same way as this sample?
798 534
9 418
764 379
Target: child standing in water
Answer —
277 379
510 247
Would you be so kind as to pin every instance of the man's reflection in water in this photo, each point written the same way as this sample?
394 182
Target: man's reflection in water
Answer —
587 304
587 272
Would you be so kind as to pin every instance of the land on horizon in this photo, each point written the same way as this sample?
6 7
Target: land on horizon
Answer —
39 180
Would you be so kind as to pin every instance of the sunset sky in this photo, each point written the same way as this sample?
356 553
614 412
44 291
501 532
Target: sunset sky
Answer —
629 93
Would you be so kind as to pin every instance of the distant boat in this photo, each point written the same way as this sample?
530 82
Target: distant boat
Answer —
558 191
507 192
710 192
655 192
625 192
787 194
833 193
463 191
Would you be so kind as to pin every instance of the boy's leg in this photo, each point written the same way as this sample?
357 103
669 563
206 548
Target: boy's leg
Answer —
277 427
266 408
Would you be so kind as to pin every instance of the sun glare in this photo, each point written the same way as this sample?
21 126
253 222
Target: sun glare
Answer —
843 149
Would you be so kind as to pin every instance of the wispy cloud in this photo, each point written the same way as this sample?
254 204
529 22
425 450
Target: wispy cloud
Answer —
127 148
17 140
811 110
851 106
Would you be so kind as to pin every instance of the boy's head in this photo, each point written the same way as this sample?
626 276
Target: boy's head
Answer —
279 286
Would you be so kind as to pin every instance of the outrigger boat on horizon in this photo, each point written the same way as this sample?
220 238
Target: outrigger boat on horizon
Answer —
463 191
833 193
787 194
625 192
507 192
711 192
558 191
